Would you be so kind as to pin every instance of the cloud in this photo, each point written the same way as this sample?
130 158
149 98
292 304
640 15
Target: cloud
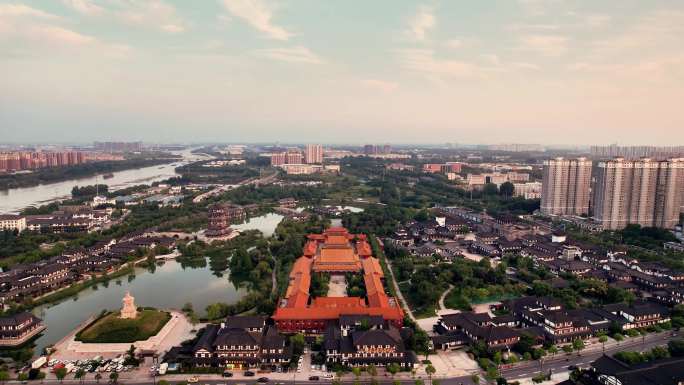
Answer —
537 7
56 34
648 50
297 54
20 10
257 14
154 14
424 61
31 31
597 21
381 85
421 23
525 66
86 7
453 43
491 59
547 45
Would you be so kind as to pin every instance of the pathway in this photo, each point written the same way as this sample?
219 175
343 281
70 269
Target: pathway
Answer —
441 299
398 291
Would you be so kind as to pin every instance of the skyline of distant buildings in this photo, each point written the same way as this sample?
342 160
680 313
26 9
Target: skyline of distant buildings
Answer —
636 152
118 146
32 160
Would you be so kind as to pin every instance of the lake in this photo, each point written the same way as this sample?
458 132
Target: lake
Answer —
169 286
265 223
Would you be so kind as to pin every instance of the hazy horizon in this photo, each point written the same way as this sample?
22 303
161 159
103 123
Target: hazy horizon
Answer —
550 72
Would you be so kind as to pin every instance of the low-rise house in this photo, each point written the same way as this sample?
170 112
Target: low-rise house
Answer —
11 222
240 343
475 327
19 328
363 341
640 314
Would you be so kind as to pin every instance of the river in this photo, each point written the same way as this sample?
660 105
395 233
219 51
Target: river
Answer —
14 200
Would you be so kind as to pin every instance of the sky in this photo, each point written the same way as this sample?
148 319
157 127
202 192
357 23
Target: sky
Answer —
353 71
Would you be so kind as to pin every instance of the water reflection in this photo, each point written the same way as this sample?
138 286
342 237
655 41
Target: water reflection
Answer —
171 285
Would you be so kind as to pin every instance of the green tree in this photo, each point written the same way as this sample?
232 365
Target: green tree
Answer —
506 189
162 382
60 374
297 342
430 370
475 378
393 369
98 377
357 372
372 370
419 382
676 347
23 376
567 348
80 375
553 349
578 345
490 189
4 376
603 339
114 377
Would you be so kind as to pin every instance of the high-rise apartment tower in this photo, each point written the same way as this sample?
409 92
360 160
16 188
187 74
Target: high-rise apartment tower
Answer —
566 186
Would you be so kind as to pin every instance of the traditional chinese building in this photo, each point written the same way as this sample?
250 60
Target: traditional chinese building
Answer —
334 251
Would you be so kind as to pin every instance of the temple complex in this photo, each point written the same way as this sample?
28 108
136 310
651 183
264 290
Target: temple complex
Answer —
336 251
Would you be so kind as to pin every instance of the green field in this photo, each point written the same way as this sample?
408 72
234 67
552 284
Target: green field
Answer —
112 329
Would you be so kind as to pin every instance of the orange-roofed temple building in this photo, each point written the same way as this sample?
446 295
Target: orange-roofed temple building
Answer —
336 251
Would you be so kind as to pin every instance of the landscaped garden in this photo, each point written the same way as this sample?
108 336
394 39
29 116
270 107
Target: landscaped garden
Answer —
109 328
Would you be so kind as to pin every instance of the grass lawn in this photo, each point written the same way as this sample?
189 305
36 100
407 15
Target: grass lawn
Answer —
112 329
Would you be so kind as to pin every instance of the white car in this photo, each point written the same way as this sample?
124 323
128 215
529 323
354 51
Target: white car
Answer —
328 376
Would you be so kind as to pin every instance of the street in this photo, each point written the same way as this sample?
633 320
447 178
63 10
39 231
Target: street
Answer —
561 361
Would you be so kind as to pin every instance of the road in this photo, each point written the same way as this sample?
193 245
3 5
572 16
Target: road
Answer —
221 189
229 381
560 362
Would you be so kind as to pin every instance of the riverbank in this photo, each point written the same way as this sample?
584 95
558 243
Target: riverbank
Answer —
59 174
76 287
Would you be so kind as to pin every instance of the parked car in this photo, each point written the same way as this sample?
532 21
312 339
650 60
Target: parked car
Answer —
314 378
193 380
263 379
249 374
227 374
